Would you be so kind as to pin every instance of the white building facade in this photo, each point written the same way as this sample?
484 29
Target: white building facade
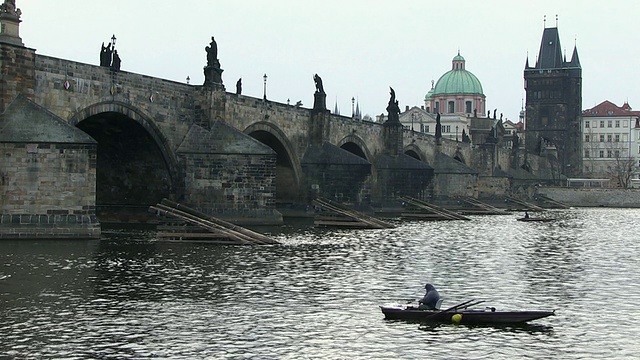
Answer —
611 143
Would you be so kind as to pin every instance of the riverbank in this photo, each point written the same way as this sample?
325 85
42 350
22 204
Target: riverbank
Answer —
593 197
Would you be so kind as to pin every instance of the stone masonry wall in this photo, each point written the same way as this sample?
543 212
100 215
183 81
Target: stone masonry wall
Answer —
171 106
48 190
231 186
17 66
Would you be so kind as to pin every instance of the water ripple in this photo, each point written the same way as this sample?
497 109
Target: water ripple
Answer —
316 296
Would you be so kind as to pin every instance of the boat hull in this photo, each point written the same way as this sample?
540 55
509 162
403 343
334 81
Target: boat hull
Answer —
536 219
466 317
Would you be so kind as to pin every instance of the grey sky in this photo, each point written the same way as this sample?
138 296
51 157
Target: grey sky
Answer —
358 47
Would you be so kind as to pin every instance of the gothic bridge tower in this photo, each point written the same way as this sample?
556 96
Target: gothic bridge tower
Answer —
554 104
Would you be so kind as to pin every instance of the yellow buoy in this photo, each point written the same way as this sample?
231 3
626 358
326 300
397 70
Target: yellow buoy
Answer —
456 318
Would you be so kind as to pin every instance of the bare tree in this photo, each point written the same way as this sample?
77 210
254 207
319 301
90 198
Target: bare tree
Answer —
622 169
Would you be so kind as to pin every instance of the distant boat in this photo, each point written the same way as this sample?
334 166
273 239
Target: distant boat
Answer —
487 316
536 219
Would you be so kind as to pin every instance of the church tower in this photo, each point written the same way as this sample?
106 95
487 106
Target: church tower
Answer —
554 104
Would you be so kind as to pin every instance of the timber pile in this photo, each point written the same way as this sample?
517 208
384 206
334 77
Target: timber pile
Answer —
526 206
427 211
553 203
338 215
482 208
190 224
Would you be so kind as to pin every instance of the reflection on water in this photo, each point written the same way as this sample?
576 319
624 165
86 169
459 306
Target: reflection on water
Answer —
318 294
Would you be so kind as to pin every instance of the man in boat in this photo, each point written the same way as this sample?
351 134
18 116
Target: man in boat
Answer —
430 299
526 215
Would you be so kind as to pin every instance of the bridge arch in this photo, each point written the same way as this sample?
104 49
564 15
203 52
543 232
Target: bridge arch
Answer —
459 156
135 167
415 152
288 168
356 145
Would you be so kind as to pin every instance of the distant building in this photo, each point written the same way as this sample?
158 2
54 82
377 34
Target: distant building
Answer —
554 104
510 128
459 99
419 120
458 91
610 142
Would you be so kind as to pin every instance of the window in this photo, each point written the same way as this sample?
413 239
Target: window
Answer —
617 138
617 123
587 123
617 154
586 153
451 106
586 138
446 128
601 153
609 123
609 153
467 106
426 128
601 123
601 137
609 137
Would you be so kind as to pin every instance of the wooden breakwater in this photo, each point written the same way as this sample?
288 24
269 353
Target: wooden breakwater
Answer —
333 214
183 223
423 210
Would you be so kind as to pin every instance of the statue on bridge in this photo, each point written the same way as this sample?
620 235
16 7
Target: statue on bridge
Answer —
318 80
105 55
393 108
319 97
438 127
212 53
115 65
9 7
239 87
213 72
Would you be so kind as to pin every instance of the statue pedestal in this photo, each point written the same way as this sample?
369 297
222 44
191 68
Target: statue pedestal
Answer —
213 76
319 102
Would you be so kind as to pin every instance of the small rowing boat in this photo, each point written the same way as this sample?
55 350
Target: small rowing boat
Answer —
536 219
463 315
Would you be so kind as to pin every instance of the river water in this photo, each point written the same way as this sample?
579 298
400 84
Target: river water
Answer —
317 295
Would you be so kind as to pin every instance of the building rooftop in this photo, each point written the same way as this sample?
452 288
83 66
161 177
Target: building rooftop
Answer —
458 80
607 108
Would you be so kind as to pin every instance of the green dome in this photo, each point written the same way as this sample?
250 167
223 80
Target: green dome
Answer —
458 81
429 95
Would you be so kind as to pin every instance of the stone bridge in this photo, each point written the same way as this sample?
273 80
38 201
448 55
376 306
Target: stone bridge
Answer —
233 155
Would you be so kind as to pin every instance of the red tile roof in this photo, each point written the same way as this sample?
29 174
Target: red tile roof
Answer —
607 108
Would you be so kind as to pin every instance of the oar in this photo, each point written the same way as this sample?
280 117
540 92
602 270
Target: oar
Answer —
474 304
449 309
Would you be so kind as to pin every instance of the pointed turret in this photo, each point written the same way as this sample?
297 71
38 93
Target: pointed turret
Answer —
575 61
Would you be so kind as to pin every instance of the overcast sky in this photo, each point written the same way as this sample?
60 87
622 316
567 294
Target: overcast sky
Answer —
358 47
